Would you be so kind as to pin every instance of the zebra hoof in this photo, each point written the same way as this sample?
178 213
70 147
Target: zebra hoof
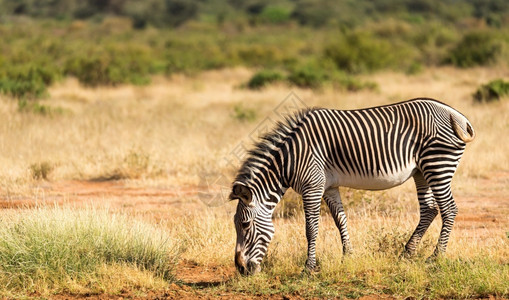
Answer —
407 255
437 254
311 268
431 259
308 271
347 252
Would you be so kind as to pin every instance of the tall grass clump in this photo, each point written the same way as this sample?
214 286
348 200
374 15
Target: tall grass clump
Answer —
54 250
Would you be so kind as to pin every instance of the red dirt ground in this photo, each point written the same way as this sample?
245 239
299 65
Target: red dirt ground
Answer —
488 208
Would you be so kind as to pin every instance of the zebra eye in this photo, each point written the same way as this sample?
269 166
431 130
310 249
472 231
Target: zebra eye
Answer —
246 225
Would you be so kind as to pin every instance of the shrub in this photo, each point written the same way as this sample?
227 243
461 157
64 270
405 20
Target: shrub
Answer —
37 108
191 56
275 14
27 81
262 78
357 52
41 170
258 55
315 13
414 68
22 88
308 76
312 76
135 164
55 249
492 91
475 49
350 83
111 65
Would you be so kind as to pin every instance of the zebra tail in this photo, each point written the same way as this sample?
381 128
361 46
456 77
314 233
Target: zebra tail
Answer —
460 132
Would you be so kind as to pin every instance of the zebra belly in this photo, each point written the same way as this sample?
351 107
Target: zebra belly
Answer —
380 181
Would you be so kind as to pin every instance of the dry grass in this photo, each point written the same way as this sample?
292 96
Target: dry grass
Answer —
178 129
172 132
476 264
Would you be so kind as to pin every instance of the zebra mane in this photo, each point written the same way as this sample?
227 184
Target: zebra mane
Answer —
271 141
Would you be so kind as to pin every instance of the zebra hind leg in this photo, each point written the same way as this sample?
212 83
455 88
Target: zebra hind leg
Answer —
428 211
333 200
448 211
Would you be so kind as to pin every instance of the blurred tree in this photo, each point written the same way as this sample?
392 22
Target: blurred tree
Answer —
314 12
490 10
347 13
179 11
160 12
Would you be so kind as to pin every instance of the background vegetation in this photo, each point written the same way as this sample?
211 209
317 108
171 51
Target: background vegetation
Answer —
305 43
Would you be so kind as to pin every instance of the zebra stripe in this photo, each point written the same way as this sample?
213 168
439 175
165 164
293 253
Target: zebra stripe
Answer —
318 150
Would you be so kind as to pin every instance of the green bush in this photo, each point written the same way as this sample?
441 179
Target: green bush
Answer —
316 13
111 65
352 84
316 76
358 52
22 88
30 106
475 49
258 55
262 78
492 91
189 56
308 76
433 43
27 81
275 14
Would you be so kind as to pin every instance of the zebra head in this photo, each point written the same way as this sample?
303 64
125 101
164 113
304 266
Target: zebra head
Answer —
253 223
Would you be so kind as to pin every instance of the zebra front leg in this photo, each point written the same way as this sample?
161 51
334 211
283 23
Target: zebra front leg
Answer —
333 200
312 213
428 211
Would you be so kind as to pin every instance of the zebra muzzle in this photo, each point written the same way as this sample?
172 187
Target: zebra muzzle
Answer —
245 268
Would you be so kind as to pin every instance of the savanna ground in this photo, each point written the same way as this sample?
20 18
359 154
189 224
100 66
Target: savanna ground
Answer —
157 154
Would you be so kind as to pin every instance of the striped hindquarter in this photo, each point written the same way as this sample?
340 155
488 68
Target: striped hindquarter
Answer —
377 148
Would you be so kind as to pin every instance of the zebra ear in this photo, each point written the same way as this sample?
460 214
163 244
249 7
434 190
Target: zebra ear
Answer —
241 192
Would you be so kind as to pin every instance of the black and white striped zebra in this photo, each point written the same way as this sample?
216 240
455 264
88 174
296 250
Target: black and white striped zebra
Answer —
317 150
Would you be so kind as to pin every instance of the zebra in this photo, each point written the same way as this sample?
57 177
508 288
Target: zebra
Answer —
318 150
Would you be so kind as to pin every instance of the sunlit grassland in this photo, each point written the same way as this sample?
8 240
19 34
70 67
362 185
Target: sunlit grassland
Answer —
171 132
62 250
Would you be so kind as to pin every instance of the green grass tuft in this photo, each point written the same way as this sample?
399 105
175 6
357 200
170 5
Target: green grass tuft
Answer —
59 249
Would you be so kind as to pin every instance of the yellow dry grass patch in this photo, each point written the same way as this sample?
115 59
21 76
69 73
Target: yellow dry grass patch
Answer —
175 129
